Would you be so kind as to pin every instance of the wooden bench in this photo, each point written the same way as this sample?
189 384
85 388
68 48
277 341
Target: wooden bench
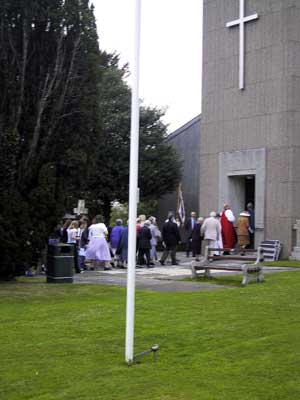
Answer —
250 263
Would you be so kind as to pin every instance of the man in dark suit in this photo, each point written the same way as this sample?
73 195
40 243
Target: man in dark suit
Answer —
144 245
189 227
171 238
251 228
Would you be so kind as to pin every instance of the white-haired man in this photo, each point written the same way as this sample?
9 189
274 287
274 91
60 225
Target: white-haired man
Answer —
211 230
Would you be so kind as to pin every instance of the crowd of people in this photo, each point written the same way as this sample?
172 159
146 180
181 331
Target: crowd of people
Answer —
97 245
219 230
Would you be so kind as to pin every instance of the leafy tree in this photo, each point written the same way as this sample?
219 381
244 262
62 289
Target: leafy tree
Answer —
159 165
118 210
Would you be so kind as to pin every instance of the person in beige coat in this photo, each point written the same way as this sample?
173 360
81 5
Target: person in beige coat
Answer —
243 230
211 230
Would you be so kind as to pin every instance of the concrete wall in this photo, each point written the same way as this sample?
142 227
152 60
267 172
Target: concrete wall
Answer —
264 115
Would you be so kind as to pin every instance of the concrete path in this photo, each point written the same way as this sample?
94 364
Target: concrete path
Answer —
161 278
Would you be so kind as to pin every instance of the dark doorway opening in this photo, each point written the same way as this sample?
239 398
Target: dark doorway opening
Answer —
249 190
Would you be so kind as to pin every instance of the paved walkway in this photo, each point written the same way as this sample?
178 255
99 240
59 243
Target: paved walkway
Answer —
165 278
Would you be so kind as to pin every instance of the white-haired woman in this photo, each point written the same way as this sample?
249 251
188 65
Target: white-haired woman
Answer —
145 244
156 235
243 234
115 237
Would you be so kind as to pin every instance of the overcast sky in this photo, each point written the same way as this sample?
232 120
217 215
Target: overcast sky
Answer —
171 51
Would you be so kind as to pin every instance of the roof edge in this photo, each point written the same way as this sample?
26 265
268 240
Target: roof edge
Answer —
183 128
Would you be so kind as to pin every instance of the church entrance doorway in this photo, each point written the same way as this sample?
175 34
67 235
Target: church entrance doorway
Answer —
241 192
242 179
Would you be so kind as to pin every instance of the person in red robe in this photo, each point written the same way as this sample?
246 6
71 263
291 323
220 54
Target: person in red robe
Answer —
228 232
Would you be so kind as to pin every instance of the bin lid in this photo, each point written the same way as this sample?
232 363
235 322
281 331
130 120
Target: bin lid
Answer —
60 249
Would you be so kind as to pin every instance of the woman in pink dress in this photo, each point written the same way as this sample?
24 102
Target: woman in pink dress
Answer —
98 250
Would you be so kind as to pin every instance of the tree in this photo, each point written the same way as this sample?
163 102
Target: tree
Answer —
65 126
49 78
159 164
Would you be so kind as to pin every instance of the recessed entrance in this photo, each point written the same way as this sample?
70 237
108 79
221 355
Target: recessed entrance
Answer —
242 179
241 192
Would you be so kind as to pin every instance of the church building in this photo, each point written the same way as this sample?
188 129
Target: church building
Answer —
250 123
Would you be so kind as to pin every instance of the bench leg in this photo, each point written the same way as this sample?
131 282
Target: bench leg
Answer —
207 273
245 275
194 274
260 276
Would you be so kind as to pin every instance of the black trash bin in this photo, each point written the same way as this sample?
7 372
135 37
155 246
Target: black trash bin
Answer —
60 263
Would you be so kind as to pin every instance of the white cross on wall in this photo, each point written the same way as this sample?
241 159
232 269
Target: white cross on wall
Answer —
241 22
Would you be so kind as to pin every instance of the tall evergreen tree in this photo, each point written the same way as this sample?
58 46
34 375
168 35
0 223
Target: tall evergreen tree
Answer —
49 76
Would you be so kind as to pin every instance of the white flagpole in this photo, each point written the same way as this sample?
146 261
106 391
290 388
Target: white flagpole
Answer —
133 189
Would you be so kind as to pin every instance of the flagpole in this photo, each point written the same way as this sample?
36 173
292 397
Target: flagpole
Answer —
181 209
178 197
133 189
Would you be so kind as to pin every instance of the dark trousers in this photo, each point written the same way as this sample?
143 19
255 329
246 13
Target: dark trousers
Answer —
76 266
251 245
81 264
167 250
189 248
196 246
141 259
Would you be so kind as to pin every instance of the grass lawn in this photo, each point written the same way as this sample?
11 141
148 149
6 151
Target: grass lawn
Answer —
67 342
283 263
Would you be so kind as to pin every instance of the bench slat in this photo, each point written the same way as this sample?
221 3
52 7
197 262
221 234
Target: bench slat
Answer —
226 267
232 258
233 250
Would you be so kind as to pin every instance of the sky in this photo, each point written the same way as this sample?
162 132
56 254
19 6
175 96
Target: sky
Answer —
171 51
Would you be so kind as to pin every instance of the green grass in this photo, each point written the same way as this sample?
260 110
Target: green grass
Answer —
283 263
67 342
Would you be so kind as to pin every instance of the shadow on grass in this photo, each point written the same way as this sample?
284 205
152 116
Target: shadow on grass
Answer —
229 280
224 280
21 280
